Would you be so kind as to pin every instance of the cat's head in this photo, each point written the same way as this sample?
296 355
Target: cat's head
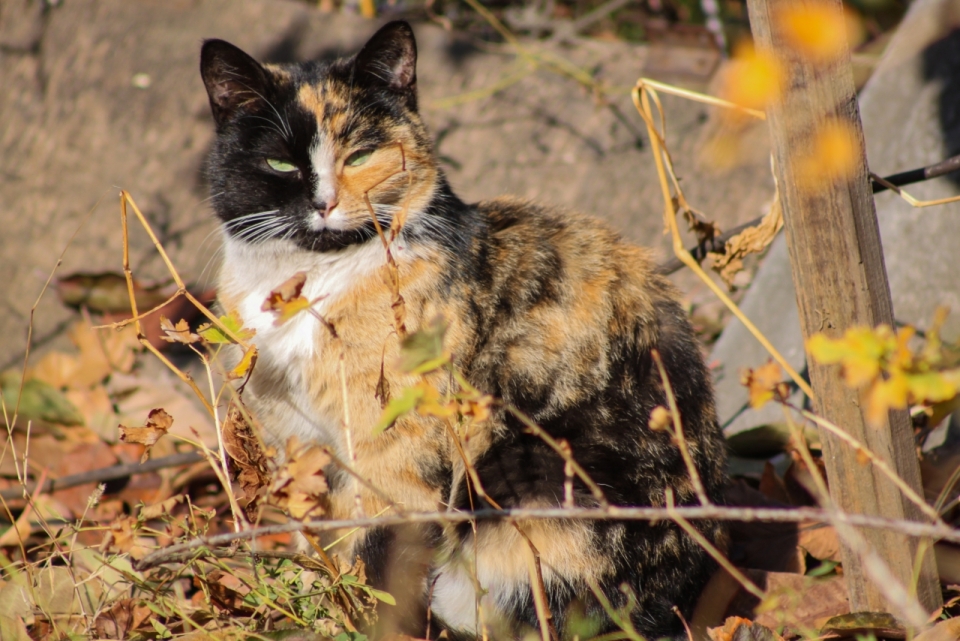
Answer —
305 151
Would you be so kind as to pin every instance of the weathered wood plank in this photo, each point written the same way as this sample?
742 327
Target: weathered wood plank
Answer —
841 282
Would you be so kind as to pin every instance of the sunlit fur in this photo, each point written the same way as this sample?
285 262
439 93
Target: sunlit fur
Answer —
546 310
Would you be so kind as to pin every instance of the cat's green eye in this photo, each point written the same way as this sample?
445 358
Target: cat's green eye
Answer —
281 166
359 157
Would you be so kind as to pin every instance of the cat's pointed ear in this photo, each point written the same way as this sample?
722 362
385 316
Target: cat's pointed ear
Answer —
233 79
390 57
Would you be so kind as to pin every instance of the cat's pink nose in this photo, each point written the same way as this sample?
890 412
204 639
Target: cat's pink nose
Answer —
325 208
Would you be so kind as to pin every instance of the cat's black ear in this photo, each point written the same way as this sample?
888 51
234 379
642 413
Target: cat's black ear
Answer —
390 57
233 79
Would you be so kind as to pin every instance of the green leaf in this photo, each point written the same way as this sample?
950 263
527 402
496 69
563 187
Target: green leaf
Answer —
422 351
380 595
825 568
398 406
213 334
161 629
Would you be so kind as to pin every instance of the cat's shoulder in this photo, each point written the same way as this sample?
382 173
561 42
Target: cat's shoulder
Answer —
582 238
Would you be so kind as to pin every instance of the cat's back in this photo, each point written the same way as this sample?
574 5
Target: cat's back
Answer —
559 298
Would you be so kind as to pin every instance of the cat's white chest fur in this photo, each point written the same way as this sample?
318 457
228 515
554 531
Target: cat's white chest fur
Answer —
287 352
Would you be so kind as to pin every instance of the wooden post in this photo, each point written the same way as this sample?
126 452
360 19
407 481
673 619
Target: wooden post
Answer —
841 282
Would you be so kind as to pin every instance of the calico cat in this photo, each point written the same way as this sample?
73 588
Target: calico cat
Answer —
545 309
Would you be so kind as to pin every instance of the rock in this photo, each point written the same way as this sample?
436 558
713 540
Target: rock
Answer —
111 98
911 118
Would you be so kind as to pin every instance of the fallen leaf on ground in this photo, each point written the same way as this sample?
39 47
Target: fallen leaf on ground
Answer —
801 483
150 512
793 600
948 562
158 422
227 592
820 540
772 486
38 401
881 625
106 292
948 630
121 538
103 351
85 457
300 483
123 617
740 629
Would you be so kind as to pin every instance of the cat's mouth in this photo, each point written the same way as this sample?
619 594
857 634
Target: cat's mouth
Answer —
300 234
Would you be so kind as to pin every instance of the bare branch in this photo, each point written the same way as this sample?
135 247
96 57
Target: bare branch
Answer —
711 512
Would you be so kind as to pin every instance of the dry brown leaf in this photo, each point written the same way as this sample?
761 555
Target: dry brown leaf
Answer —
56 369
83 457
772 486
300 483
820 541
226 591
150 512
104 351
179 333
121 539
750 241
245 448
948 630
158 422
123 617
801 483
794 600
948 562
135 396
97 410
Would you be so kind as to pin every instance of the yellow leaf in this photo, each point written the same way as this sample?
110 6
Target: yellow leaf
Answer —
753 79
818 31
860 352
930 387
285 301
213 334
833 155
876 404
763 383
246 364
430 403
